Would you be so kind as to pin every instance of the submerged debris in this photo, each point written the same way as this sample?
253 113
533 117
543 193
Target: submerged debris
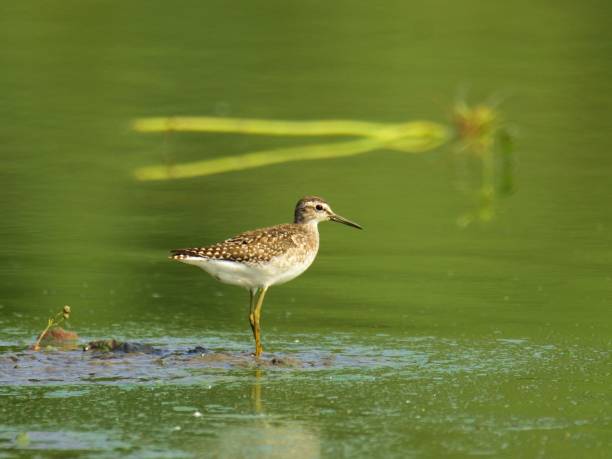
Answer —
198 350
112 345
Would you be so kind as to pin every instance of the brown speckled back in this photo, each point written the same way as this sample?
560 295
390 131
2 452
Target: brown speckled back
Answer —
258 246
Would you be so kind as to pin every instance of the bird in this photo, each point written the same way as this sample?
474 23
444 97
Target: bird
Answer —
261 258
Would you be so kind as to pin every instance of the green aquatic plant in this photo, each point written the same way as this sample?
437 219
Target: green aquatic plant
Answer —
410 137
22 440
484 141
53 331
479 135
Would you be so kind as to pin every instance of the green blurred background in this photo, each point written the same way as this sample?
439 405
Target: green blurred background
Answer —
493 339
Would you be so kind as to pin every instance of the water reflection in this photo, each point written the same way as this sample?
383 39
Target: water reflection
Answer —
410 137
78 229
483 159
268 436
268 440
479 139
188 406
256 392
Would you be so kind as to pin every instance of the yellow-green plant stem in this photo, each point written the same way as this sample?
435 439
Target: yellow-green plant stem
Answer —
411 137
52 322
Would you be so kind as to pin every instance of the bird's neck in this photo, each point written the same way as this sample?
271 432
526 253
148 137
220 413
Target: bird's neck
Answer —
311 227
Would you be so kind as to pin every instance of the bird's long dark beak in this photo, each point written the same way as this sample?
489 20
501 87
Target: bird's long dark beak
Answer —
346 221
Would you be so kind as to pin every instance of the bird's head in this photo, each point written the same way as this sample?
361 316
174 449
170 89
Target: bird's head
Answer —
315 209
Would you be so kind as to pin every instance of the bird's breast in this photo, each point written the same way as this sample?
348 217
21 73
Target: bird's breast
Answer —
288 266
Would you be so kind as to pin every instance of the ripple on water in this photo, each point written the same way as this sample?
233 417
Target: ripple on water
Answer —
421 357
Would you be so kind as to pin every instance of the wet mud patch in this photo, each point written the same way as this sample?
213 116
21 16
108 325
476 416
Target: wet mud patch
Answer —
224 359
110 349
111 361
423 358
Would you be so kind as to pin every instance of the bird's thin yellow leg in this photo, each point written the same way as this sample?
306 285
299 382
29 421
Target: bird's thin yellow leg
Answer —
253 296
257 317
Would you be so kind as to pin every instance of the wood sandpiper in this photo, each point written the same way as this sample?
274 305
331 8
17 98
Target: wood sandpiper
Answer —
258 259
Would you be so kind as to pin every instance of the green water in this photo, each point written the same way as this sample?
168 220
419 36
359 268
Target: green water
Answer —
413 338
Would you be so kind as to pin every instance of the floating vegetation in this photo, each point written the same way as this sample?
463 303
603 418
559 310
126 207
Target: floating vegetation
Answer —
53 334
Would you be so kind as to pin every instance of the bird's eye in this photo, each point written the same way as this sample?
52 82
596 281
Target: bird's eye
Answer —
319 207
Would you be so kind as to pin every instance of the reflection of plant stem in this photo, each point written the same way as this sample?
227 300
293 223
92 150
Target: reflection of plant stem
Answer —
414 137
479 129
251 160
483 135
506 149
488 188
260 127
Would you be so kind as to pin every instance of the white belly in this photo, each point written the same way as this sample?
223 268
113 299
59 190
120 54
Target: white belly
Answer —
277 271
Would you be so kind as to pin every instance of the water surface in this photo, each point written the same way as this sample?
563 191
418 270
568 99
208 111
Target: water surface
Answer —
414 338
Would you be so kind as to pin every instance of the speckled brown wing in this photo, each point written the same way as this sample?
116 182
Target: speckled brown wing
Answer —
258 246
